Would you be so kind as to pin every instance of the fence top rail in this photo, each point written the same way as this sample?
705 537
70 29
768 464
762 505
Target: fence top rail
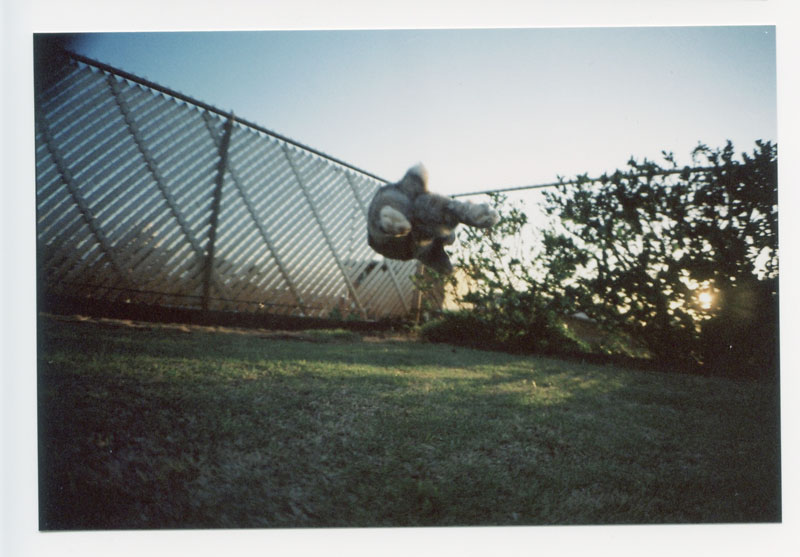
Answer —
205 106
586 180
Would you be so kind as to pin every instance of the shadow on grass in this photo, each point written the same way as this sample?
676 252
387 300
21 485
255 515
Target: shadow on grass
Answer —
159 429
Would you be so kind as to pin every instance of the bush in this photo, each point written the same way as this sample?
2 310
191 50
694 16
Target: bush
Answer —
510 329
504 306
634 250
459 328
642 243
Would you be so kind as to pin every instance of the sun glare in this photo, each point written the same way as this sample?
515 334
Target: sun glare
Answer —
705 299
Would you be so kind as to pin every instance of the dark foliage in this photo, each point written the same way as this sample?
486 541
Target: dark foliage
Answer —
644 243
682 261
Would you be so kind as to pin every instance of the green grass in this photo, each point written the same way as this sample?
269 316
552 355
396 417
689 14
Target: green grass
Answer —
155 427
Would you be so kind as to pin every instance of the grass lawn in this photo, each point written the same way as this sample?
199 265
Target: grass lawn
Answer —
150 426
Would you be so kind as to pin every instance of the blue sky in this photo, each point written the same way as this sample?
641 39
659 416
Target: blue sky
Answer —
481 108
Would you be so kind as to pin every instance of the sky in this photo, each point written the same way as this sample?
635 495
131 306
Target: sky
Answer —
481 108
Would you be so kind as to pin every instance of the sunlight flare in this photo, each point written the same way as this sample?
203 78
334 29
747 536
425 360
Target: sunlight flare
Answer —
705 298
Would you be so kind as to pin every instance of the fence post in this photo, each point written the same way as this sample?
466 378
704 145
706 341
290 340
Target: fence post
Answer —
251 208
158 177
215 206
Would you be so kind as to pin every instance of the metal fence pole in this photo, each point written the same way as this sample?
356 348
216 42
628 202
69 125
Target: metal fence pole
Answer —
152 167
245 197
215 206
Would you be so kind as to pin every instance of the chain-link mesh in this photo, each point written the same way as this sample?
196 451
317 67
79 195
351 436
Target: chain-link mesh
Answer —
126 179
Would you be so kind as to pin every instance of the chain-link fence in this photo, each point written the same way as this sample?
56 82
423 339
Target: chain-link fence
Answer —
147 196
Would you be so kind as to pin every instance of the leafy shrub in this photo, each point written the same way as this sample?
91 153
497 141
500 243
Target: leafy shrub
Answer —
642 243
459 328
633 250
504 307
